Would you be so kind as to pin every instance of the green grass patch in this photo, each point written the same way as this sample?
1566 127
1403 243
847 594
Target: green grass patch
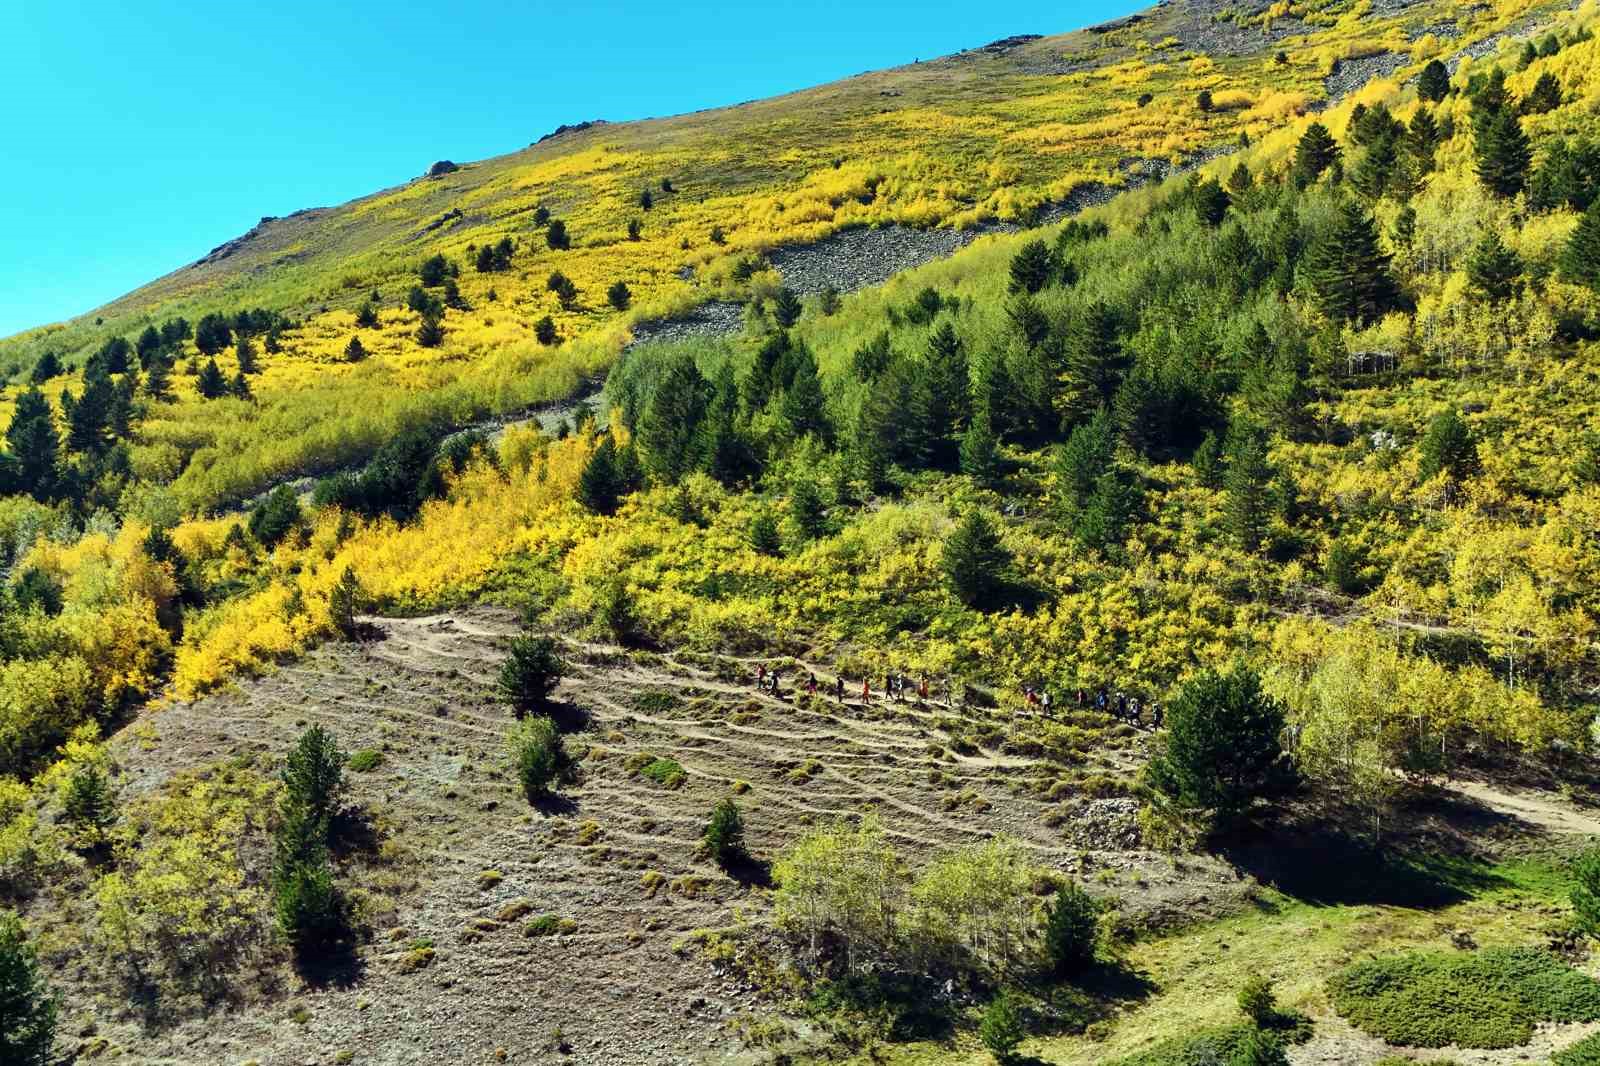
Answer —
668 773
364 760
1486 999
657 701
1585 1052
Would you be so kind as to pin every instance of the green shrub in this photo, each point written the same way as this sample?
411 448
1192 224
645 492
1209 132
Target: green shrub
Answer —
365 760
1586 890
531 672
1585 1052
309 909
1070 930
89 805
1485 999
1257 1001
667 772
724 835
27 1005
1258 1048
1001 1030
537 755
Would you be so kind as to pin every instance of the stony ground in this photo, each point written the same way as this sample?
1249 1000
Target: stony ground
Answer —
461 862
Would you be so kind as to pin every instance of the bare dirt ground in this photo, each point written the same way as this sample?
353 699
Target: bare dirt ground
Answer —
615 856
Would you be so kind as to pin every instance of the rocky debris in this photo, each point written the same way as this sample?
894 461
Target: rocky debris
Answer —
227 248
1444 30
1117 24
441 168
858 258
575 127
1213 27
1104 824
1351 74
443 220
1006 44
719 318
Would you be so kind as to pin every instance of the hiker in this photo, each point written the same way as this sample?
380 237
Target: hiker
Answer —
811 685
1045 700
1122 704
761 676
838 687
1133 709
922 689
866 691
1155 715
774 682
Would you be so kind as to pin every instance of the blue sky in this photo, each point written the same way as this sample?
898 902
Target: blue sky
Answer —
138 136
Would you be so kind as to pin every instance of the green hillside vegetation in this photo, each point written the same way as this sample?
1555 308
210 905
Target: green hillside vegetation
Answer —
1279 477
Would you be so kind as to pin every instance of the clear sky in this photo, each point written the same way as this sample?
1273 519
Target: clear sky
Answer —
137 136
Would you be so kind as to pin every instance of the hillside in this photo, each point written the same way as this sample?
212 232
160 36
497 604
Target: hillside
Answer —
1174 524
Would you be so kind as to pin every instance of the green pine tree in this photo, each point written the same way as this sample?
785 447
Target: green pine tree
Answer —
211 383
35 446
1433 84
1314 154
1494 269
1246 483
1503 154
28 1006
1347 270
598 488
979 449
975 561
1580 260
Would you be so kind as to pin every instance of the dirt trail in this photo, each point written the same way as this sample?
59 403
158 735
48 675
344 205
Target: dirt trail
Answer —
1546 811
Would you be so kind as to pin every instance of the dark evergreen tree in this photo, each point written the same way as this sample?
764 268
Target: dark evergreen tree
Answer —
245 353
563 287
1347 270
1503 154
1580 260
646 201
28 1006
119 415
598 488
979 449
89 421
213 334
806 510
34 446
1088 452
1494 269
975 561
1222 747
355 351
722 448
1567 176
557 237
239 387
544 331
174 332
1108 511
1210 203
619 295
804 407
1544 96
1448 448
1373 174
1071 930
273 518
668 429
786 308
430 333
1246 484
1490 101
48 366
149 347
947 391
531 672
211 383
367 316
1093 361
113 356
158 381
1032 267
764 536
1207 461
1314 154
1240 181
434 271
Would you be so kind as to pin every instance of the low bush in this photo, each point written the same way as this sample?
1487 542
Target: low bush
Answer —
365 760
724 835
1585 1052
1485 999
537 755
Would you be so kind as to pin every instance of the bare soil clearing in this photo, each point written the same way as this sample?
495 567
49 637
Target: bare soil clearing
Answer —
615 853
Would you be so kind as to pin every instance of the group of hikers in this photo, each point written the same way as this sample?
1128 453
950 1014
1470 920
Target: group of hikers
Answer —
897 687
